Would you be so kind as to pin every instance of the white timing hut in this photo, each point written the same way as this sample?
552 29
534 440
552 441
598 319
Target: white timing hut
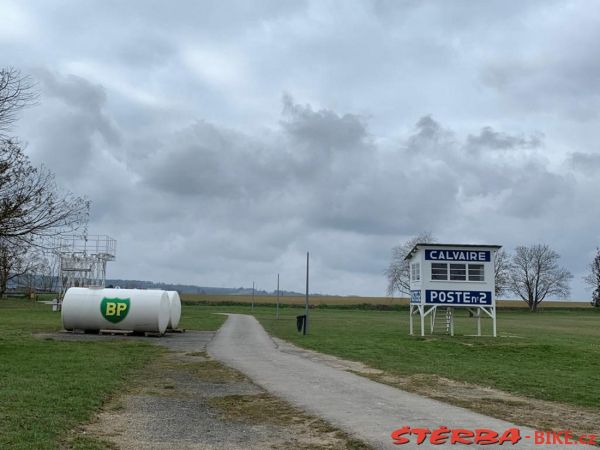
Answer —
452 276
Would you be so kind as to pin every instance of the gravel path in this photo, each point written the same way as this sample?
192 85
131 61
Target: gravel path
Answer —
185 400
367 409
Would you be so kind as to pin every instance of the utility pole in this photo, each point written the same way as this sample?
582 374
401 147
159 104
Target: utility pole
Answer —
253 296
277 316
306 299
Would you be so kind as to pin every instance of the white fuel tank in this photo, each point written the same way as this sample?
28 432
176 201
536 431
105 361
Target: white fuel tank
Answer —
94 309
175 316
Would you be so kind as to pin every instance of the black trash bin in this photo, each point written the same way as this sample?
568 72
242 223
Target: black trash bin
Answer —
301 323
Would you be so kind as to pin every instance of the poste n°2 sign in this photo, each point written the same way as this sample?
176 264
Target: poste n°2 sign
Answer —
457 298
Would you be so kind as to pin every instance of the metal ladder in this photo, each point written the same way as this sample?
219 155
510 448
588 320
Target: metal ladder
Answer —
446 320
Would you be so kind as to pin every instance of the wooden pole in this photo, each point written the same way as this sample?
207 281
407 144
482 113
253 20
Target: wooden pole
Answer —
277 296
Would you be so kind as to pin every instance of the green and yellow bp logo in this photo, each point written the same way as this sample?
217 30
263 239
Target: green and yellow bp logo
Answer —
114 309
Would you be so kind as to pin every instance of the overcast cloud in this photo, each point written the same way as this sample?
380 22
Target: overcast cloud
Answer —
219 141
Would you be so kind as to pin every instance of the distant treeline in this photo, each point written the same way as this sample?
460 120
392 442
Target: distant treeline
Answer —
192 289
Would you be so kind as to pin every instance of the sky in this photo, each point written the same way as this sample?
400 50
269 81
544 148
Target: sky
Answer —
219 141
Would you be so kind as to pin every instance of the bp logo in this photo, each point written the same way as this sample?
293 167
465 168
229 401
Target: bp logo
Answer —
114 309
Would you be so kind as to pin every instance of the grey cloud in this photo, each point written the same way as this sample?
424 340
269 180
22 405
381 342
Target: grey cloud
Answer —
586 163
494 140
206 160
535 192
522 186
356 187
146 51
65 128
88 100
201 160
430 136
323 130
553 70
73 90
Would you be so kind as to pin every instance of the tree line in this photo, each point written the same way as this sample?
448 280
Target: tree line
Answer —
532 273
33 207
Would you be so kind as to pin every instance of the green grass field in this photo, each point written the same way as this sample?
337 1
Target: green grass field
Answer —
48 387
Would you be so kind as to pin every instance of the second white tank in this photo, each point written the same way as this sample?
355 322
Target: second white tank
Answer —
175 315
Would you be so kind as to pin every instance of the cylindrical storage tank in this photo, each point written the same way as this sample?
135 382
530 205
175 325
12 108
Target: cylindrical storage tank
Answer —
175 316
138 310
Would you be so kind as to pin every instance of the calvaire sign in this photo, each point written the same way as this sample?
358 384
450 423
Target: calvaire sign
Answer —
457 255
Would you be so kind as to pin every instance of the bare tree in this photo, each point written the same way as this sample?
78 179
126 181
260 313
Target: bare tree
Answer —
34 276
593 279
15 261
398 272
535 275
32 207
16 92
502 271
31 204
47 274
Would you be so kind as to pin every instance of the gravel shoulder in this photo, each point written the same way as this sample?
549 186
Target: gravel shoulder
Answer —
187 400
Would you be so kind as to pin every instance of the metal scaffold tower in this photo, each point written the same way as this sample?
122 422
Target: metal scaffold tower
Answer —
82 260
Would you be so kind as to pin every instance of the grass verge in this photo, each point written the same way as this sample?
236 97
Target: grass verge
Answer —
554 355
48 387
